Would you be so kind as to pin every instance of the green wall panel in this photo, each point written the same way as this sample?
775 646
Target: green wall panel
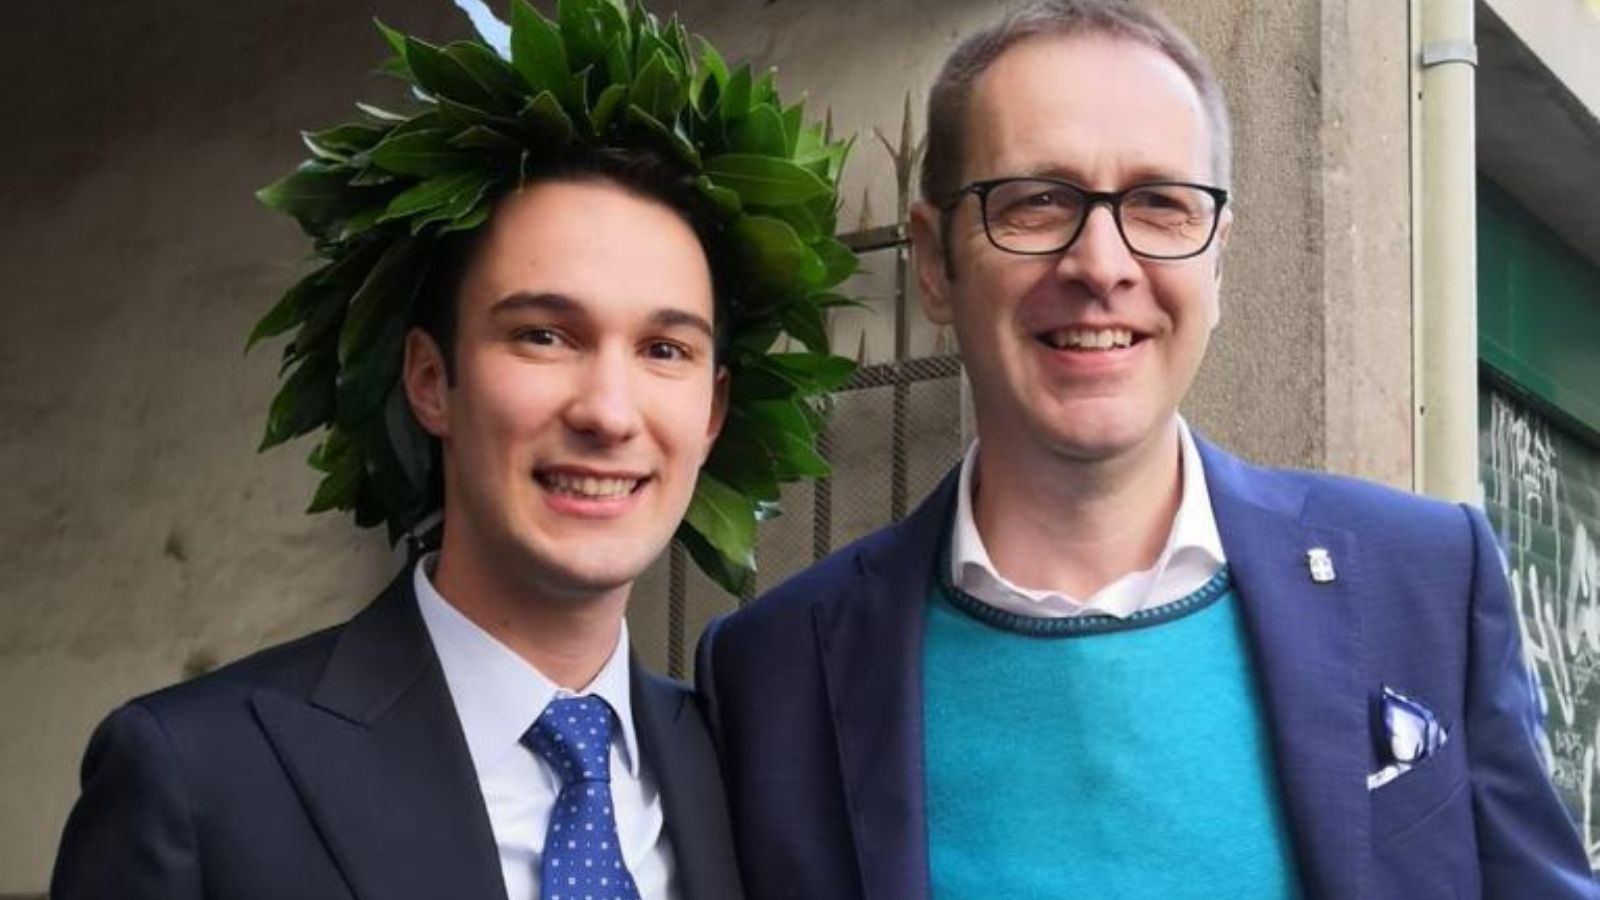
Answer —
1538 309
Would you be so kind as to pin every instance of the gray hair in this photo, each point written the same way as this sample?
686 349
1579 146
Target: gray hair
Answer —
952 90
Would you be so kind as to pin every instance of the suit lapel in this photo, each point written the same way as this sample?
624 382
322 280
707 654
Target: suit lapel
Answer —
1306 641
676 748
870 640
378 757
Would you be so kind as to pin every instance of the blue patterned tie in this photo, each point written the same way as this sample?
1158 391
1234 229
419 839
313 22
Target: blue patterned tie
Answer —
582 859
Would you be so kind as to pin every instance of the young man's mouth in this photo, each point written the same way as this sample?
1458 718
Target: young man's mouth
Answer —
1093 339
588 486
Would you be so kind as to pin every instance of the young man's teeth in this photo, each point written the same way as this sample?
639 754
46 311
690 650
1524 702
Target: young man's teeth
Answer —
591 487
1090 339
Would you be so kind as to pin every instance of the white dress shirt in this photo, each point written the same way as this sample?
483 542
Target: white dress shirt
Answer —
497 696
1193 553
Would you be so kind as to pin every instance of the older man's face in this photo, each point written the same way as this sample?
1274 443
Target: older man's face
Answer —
1082 354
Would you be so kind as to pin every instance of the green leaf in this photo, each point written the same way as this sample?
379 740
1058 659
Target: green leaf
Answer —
709 80
295 307
340 142
619 62
652 130
372 341
727 201
436 191
442 76
765 180
380 114
395 40
805 322
548 120
793 124
339 486
736 96
761 132
841 261
658 90
454 210
725 518
421 153
765 89
383 295
482 137
605 108
304 402
774 255
471 219
537 51
582 32
741 461
733 576
786 432
497 78
813 372
309 194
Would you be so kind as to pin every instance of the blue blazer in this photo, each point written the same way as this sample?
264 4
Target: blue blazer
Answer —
815 695
335 767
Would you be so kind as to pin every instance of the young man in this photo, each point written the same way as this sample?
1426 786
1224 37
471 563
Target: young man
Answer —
424 749
1106 658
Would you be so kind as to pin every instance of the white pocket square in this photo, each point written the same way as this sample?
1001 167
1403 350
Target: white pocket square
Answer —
1413 734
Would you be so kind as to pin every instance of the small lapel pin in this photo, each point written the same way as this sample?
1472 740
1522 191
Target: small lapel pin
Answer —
1320 563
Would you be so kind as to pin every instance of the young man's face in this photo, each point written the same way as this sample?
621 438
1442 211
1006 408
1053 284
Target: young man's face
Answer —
1105 114
586 395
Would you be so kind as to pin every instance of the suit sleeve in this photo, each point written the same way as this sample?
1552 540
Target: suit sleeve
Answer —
1527 846
705 683
131 835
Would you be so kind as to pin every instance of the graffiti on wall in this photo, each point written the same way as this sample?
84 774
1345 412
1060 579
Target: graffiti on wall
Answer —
1542 492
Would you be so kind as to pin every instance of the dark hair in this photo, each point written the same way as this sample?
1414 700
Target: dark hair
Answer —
642 172
952 90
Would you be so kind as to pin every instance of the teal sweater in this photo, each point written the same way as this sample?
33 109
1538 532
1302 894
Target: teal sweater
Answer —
1097 757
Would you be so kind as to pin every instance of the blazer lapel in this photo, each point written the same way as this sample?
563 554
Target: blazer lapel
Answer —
1306 641
870 641
676 749
379 759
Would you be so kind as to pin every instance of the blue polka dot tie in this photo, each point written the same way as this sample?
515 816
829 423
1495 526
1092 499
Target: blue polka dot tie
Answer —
582 859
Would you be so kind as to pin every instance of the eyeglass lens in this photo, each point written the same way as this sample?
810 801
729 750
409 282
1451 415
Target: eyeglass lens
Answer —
1162 220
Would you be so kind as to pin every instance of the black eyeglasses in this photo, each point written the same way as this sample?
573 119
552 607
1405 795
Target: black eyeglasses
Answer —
1037 215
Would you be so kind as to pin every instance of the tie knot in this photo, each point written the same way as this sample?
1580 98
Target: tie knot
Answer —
573 734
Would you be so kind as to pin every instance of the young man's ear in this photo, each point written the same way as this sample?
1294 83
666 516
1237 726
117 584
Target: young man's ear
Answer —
933 267
719 409
427 382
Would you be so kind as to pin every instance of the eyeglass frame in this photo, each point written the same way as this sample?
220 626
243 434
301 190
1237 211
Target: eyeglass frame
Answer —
1091 199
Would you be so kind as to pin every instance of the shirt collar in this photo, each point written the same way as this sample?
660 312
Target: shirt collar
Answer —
1193 539
497 693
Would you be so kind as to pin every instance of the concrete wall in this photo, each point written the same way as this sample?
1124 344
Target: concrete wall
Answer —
148 538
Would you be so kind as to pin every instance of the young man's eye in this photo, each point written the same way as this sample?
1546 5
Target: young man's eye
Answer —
670 351
539 337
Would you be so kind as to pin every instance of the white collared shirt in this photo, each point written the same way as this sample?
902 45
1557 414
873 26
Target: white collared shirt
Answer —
1193 553
497 696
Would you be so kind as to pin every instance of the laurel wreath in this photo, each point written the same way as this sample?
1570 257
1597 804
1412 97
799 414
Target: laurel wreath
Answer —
378 194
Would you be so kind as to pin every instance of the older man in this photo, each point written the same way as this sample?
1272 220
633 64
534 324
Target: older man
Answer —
1106 658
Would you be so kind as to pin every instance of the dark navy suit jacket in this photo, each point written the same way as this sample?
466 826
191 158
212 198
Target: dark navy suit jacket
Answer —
815 693
335 767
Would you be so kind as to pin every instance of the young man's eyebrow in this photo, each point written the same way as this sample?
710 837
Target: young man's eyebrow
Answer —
671 318
561 304
522 300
